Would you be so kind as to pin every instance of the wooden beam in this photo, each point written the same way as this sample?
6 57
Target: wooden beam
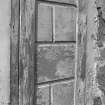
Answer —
27 73
14 52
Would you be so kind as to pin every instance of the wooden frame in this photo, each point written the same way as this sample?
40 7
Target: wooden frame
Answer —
23 74
22 39
14 52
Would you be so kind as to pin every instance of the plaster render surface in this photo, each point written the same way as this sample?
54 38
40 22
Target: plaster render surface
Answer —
4 51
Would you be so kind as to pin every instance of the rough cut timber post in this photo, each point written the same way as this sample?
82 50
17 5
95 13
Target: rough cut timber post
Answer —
27 53
14 52
81 53
95 66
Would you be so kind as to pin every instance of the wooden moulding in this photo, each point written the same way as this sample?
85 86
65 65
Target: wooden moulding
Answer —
14 52
27 52
22 55
60 2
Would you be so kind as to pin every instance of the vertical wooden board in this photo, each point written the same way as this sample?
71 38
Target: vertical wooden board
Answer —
81 53
14 93
27 52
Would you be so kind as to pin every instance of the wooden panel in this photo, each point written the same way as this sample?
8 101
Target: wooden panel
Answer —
63 93
81 54
14 52
95 84
55 62
65 23
27 53
43 95
44 23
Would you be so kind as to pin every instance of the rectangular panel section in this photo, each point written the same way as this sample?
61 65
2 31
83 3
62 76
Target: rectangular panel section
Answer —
63 93
44 23
65 23
55 62
43 95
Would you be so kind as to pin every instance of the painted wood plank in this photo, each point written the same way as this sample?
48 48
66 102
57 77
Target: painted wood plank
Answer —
27 53
81 53
14 52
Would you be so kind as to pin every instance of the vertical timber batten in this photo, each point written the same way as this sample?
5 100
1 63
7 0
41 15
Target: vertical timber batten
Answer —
27 53
14 52
81 53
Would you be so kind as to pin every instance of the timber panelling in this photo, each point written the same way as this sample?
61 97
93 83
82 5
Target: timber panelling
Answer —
14 52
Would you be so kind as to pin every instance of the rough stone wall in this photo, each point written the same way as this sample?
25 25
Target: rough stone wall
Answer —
95 72
5 9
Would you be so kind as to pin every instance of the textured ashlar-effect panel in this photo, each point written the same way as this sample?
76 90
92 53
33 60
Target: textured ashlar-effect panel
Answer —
65 23
44 23
4 51
43 95
63 93
55 61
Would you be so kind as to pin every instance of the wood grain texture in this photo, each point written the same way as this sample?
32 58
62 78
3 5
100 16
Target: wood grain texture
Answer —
14 52
27 53
81 55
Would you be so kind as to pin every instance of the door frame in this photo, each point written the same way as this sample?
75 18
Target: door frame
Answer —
22 58
22 73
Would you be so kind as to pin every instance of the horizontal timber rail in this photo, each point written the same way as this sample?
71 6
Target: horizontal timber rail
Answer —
57 3
56 81
56 42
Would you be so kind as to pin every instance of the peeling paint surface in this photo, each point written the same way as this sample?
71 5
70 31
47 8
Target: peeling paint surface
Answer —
4 51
